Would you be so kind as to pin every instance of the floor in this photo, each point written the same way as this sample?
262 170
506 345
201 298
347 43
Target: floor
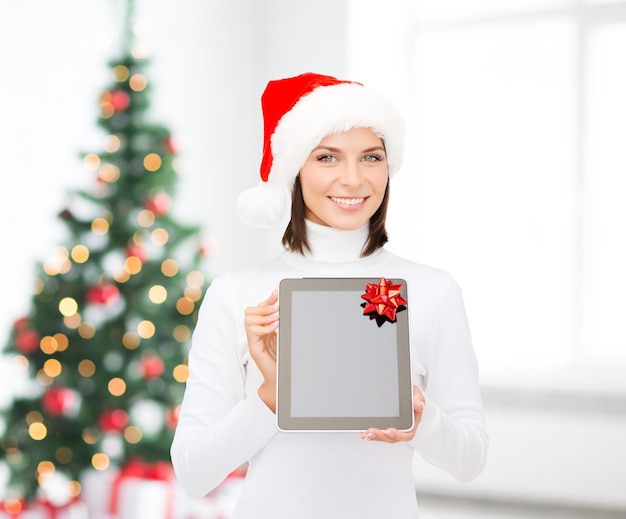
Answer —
435 507
441 508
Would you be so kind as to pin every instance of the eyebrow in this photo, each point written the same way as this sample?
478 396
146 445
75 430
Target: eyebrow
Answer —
337 150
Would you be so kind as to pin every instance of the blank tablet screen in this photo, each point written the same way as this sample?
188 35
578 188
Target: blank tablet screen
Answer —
337 368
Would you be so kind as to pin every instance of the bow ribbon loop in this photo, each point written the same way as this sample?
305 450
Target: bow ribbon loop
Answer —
383 300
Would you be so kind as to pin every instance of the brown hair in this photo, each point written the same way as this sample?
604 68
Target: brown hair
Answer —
295 238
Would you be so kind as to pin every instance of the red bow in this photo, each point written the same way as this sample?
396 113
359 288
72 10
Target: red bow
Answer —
383 299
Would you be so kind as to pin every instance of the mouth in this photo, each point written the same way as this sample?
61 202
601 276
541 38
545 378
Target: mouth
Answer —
347 201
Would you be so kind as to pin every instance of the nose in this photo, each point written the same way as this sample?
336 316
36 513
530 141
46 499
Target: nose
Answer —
351 174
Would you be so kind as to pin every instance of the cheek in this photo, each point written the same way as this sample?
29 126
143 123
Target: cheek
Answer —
312 186
380 181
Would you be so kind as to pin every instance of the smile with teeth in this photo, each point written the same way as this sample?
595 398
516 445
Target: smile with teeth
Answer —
347 201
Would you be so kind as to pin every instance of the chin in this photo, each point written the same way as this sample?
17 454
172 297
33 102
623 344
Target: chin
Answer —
349 226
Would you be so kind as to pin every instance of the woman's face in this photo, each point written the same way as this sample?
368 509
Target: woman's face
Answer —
344 179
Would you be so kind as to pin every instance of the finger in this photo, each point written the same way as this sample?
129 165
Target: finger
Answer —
261 319
375 435
273 298
267 307
389 435
260 311
369 435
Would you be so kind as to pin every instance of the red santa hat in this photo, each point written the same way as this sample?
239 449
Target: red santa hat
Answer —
298 112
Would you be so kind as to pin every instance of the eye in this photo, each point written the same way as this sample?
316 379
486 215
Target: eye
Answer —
372 158
326 158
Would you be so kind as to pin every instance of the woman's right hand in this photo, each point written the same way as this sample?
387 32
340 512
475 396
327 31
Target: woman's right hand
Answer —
261 323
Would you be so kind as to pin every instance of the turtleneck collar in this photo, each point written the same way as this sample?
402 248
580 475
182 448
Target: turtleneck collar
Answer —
334 247
330 245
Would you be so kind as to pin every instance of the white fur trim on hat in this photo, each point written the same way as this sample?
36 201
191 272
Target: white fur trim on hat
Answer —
264 205
328 110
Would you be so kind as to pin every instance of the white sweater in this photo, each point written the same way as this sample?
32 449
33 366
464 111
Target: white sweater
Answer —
224 424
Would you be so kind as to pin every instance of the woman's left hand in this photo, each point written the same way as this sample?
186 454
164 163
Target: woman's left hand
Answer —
392 435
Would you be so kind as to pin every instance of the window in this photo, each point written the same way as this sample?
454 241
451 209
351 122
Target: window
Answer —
515 173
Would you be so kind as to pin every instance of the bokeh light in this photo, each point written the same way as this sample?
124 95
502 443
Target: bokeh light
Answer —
52 368
138 82
159 236
91 161
100 226
19 363
87 368
120 73
181 333
184 306
152 162
145 218
62 341
90 435
195 278
48 344
80 253
100 461
169 267
181 373
68 306
37 431
72 321
132 434
86 330
131 340
109 173
146 329
133 265
157 294
117 386
112 144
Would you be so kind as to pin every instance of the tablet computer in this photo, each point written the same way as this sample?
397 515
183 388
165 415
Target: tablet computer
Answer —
343 355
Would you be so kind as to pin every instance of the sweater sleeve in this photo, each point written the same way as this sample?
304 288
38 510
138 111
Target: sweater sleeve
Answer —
219 426
452 433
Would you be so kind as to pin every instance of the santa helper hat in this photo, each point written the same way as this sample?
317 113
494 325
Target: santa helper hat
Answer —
298 112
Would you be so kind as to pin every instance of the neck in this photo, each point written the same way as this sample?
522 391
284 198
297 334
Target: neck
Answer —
330 245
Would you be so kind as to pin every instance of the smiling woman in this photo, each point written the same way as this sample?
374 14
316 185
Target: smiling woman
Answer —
331 148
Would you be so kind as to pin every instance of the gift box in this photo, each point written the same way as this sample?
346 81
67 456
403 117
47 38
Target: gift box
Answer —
43 510
137 490
97 486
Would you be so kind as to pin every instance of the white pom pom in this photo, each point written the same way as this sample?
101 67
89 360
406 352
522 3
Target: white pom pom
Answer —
264 205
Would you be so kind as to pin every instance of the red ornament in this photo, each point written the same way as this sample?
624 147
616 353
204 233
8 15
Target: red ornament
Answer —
208 249
169 145
27 341
21 324
159 204
120 100
383 299
113 420
151 367
137 251
171 419
102 294
59 401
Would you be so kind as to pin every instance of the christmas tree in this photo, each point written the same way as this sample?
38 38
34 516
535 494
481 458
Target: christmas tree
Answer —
104 345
